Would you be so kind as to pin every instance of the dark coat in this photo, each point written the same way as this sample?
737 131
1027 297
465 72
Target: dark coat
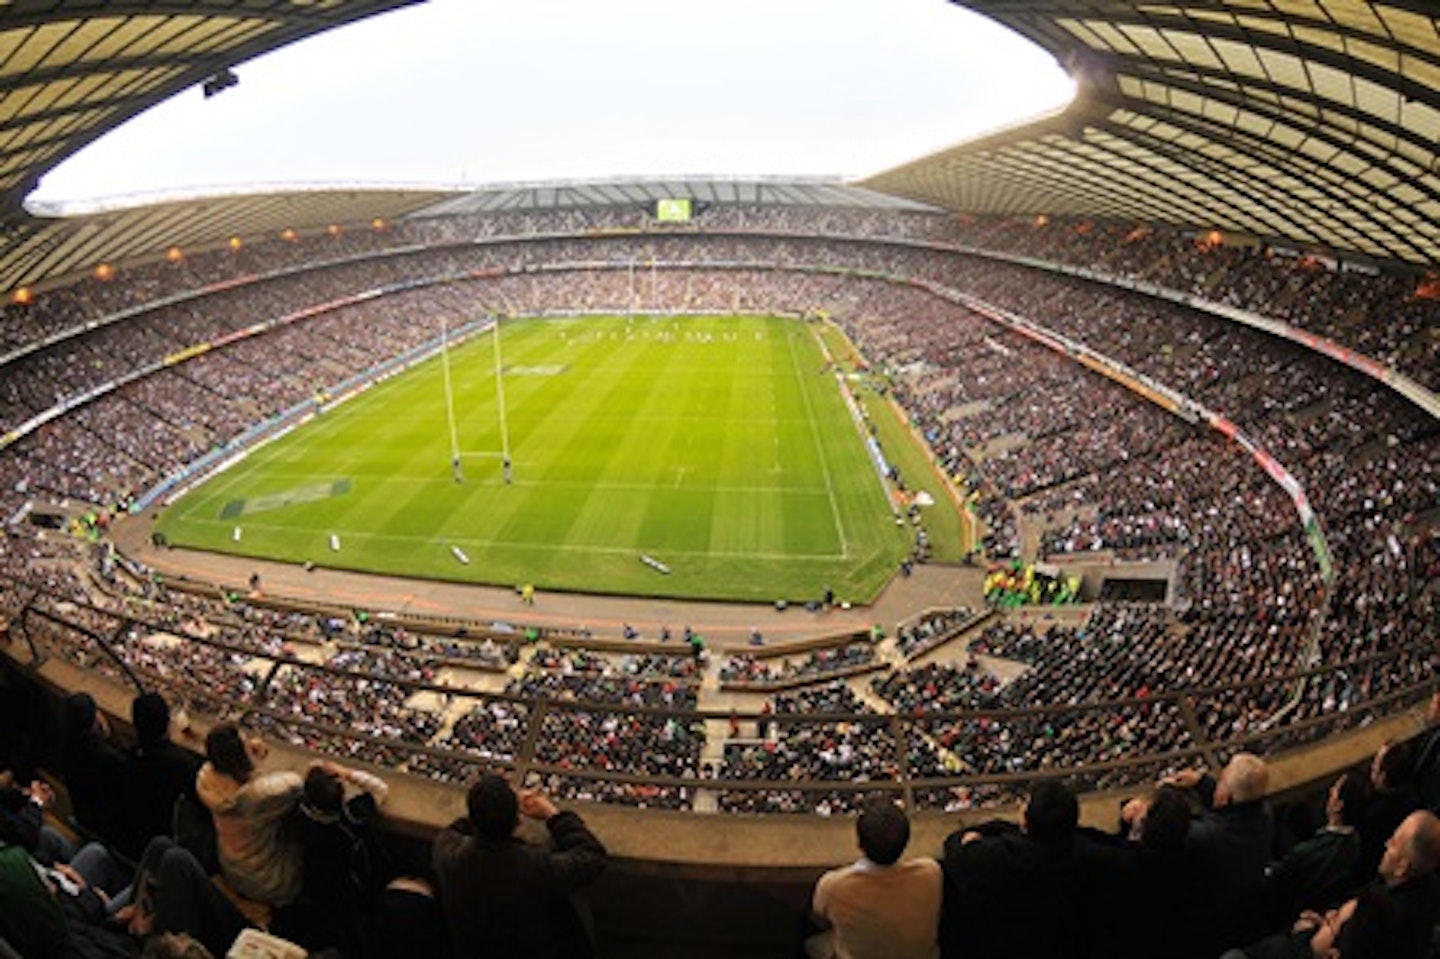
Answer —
510 898
1417 908
1229 848
160 773
343 870
1007 895
1287 945
1317 874
97 777
20 820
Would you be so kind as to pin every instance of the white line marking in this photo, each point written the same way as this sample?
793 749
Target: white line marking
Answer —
819 449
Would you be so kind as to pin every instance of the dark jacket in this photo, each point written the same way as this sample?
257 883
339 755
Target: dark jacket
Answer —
97 777
40 923
1286 945
160 773
343 870
20 820
1417 908
1149 886
1229 848
509 898
1317 874
1008 895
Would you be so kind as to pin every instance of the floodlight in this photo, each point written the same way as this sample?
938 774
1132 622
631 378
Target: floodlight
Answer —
223 79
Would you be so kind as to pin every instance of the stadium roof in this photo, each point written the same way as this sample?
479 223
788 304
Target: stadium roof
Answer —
1308 121
43 248
46 248
70 70
770 191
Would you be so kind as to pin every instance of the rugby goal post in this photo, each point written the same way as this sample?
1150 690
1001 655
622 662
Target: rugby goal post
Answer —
457 454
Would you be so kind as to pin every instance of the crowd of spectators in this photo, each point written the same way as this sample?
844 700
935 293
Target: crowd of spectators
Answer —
746 670
931 629
615 740
1074 460
1202 860
855 750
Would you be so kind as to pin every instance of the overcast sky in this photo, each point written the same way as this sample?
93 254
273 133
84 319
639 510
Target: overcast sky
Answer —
482 91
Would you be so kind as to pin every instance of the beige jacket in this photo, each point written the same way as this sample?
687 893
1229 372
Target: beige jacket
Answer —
258 860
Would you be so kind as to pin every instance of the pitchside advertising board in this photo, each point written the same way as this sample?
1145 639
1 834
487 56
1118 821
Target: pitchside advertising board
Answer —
674 210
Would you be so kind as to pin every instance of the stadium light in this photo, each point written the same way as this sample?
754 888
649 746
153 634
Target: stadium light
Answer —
223 79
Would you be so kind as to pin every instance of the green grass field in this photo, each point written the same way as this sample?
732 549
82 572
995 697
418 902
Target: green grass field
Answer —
720 446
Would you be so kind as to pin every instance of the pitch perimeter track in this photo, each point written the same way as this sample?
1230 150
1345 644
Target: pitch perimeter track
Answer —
725 625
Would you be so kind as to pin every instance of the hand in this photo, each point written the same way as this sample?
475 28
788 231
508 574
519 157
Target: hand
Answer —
1183 779
1134 810
1308 920
69 873
136 920
41 792
332 767
966 838
536 805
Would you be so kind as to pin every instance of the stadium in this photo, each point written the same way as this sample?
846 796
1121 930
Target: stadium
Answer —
1087 451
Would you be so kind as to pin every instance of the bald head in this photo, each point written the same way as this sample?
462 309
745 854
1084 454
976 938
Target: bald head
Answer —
1424 840
1413 850
1245 778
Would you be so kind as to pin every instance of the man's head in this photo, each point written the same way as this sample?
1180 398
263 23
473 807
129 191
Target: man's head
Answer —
1345 803
1390 769
493 807
1245 778
1413 849
883 831
151 718
80 714
1167 821
324 793
226 750
1051 812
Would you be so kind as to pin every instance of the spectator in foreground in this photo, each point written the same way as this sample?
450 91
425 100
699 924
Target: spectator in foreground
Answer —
1229 847
22 820
256 859
879 907
996 877
1320 872
173 896
341 858
1408 879
161 772
97 775
503 896
1146 873
1393 797
1359 928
